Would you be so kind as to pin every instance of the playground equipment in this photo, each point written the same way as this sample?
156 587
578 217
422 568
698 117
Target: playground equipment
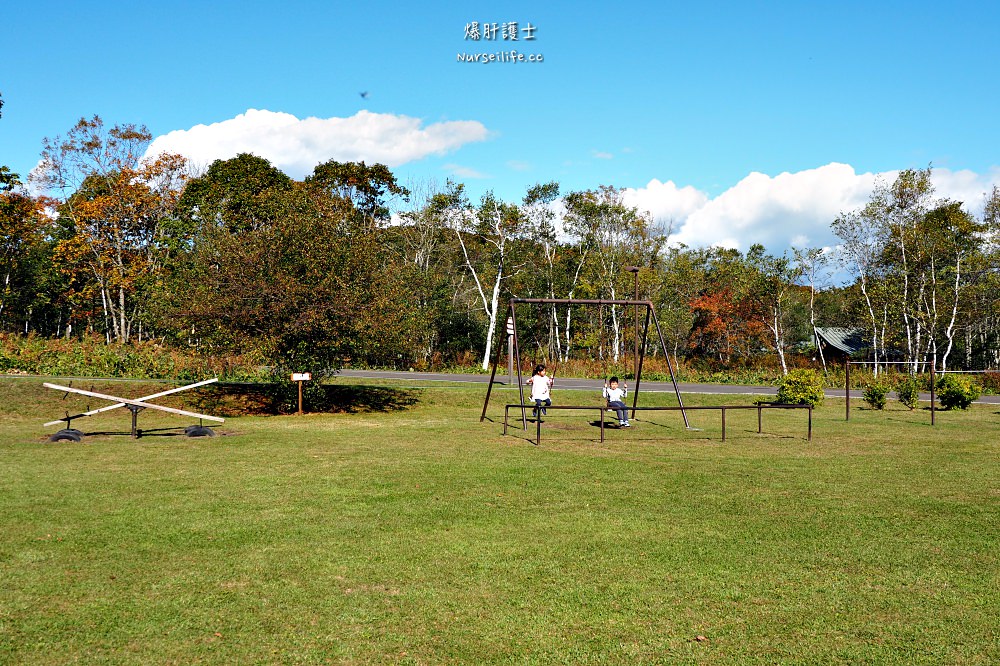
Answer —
640 351
650 317
760 407
134 405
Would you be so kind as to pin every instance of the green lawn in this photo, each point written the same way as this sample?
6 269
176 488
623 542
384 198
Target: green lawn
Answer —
418 535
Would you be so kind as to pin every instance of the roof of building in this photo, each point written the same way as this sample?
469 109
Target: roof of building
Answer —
846 340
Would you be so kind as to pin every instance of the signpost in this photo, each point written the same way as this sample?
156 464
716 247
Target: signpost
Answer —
301 377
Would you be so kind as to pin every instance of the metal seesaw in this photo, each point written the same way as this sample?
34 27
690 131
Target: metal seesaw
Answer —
135 406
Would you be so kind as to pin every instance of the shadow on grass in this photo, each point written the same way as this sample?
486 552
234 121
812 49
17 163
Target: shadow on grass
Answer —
143 432
235 399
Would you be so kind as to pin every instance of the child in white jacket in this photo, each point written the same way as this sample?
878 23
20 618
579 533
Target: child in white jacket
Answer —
540 385
616 400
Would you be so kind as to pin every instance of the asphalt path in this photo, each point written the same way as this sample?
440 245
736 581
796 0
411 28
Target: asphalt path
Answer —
575 384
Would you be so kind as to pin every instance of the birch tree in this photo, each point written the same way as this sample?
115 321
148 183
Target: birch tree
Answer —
621 235
813 266
487 237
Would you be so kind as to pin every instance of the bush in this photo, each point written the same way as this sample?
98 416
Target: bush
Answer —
908 391
990 382
875 394
956 392
801 387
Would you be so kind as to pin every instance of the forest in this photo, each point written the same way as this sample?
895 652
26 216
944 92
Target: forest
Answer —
350 267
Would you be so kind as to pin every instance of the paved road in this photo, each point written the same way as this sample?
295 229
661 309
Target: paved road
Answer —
574 384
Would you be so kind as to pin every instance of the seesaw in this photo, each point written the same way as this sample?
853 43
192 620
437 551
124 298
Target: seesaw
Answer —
134 405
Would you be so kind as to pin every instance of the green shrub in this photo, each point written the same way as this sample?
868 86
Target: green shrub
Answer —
956 392
908 391
801 387
874 394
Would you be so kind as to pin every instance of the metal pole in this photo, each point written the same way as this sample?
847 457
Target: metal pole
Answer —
810 423
634 270
933 382
510 351
642 356
520 380
723 424
847 390
663 346
493 376
510 360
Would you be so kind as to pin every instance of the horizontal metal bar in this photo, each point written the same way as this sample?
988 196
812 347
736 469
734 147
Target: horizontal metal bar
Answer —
664 409
579 301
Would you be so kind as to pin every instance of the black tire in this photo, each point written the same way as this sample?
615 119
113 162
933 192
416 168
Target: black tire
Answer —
67 435
199 431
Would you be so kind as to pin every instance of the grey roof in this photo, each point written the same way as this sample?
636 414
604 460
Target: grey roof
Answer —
846 340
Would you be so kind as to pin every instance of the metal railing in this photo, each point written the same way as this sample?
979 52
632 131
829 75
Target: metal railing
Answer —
602 409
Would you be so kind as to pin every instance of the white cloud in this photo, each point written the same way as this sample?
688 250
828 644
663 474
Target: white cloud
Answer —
296 146
965 186
666 201
601 155
464 172
787 209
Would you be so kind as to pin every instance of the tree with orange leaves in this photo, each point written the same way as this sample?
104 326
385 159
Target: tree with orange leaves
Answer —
113 204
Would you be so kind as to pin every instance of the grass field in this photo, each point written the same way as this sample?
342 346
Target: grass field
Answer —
417 535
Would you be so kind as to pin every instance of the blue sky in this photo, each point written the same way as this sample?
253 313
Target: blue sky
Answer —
739 122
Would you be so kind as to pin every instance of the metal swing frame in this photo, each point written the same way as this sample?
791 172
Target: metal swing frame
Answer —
650 316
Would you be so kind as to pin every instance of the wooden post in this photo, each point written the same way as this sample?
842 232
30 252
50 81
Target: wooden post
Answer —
299 377
723 424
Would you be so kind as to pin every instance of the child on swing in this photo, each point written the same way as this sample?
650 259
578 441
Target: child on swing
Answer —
616 400
540 385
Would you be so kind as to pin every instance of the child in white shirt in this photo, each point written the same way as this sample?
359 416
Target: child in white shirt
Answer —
616 400
540 385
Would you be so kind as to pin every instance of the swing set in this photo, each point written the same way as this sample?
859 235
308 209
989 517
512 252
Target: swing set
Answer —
641 349
640 352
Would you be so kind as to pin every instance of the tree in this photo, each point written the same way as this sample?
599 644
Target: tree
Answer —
113 204
861 234
487 237
366 188
540 216
244 193
23 229
812 264
918 261
771 286
621 236
297 286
